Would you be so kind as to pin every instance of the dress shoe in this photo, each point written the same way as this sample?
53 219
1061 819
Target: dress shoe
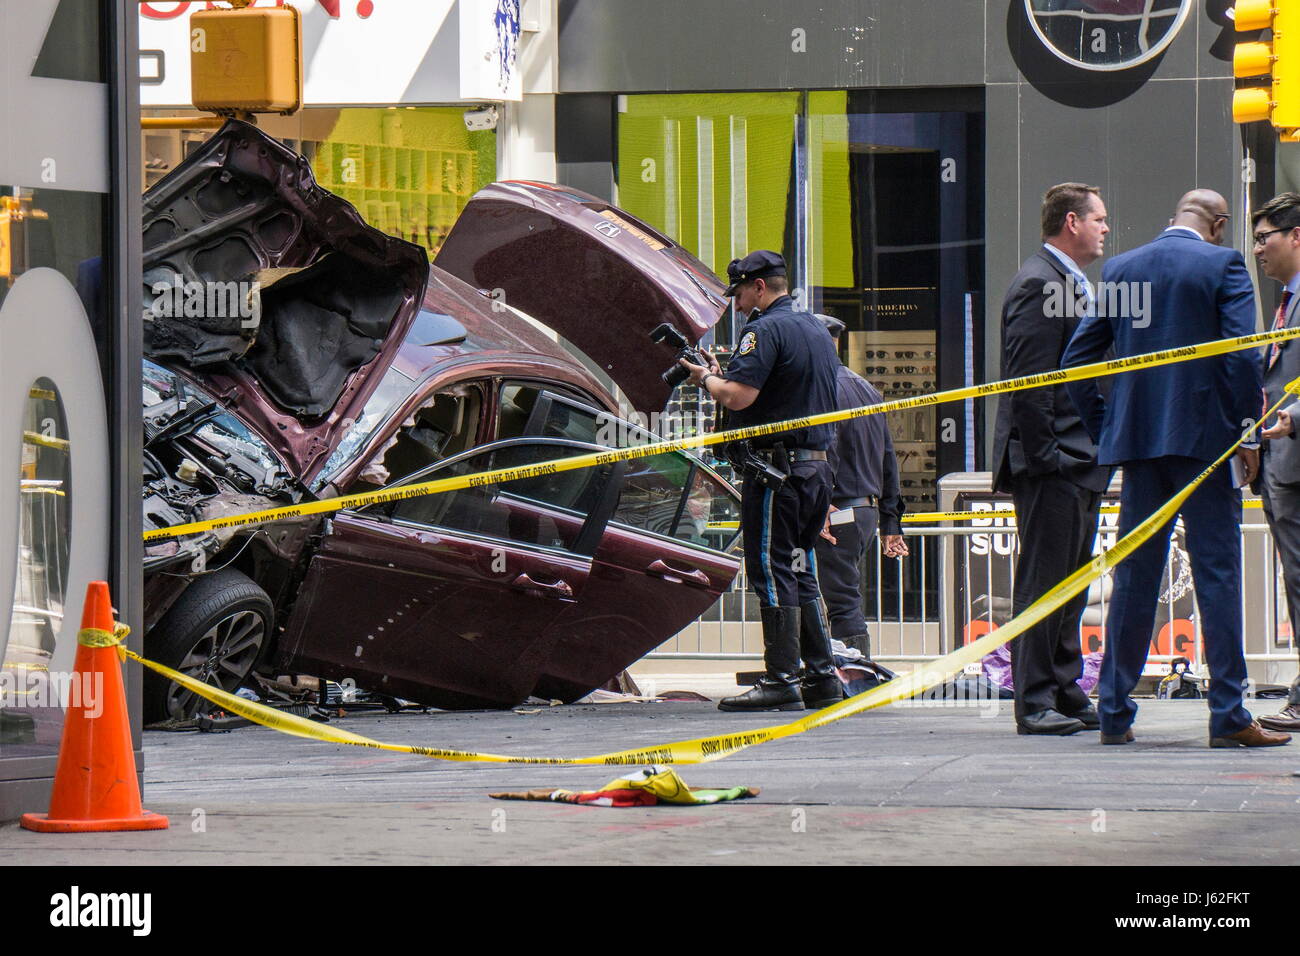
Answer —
1288 718
1048 722
1089 717
1125 738
778 688
1252 736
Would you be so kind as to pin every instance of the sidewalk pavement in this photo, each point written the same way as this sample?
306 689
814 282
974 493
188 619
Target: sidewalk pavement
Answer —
933 784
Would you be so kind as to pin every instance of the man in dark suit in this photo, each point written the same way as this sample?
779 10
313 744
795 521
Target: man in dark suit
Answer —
1277 250
1164 425
1046 460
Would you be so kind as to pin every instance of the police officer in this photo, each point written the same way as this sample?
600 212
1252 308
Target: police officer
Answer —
865 497
783 368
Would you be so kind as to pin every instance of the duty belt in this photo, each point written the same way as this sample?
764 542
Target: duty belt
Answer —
794 454
870 501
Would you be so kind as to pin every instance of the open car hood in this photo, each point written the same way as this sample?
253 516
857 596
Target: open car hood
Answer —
591 272
331 316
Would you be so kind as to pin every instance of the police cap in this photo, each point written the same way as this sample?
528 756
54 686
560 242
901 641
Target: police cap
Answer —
833 325
756 265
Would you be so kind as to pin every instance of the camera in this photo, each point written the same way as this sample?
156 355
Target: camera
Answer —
667 334
483 118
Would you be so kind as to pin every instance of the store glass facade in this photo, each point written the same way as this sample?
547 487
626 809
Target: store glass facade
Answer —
875 198
408 170
66 351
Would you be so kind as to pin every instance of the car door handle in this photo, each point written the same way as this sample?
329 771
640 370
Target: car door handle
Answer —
560 589
696 577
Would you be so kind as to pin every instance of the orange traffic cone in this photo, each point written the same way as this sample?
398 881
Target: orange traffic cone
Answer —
95 786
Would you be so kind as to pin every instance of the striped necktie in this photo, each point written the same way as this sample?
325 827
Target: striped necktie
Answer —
1279 323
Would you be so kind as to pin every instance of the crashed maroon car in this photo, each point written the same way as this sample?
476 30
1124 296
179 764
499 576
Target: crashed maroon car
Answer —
355 365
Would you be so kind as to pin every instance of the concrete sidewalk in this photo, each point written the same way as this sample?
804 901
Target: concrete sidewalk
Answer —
929 785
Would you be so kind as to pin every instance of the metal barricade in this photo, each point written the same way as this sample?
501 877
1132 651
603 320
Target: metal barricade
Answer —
965 573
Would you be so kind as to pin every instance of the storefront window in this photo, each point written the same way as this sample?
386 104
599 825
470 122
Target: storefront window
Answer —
714 171
876 201
409 171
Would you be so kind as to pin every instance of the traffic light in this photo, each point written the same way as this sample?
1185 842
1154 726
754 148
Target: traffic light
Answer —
246 59
1278 59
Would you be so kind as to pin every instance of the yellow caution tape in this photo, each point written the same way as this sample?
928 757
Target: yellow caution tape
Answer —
1056 377
95 637
926 517
717 746
929 517
35 438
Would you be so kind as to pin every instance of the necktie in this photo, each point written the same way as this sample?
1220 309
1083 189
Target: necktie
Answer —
1279 323
1085 287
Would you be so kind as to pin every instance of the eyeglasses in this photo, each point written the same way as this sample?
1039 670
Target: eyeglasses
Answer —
1262 237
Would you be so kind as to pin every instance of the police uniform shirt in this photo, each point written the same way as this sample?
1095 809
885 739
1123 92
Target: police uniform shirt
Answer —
791 359
862 455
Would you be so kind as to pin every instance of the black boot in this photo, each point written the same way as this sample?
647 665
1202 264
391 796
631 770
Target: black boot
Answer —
862 642
820 686
778 689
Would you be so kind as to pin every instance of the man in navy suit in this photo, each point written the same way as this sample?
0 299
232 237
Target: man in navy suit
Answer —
1164 425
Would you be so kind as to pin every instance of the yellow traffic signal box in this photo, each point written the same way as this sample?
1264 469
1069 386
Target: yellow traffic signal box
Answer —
246 60
1277 59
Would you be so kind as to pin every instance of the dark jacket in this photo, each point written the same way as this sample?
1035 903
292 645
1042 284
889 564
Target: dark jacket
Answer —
862 455
1198 292
1039 432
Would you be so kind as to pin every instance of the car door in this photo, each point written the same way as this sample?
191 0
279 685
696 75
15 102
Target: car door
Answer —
665 557
662 560
447 599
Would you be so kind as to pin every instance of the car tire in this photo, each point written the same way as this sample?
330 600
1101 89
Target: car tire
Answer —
216 631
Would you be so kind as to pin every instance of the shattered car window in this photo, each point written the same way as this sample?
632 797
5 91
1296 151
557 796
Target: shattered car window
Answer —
393 388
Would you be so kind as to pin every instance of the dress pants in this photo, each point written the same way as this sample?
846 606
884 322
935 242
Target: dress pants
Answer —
781 529
1282 509
1056 521
1211 517
839 572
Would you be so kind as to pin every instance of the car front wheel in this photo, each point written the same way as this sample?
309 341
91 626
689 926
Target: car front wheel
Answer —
215 633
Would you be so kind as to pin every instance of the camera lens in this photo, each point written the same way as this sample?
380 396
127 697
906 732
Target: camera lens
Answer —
675 376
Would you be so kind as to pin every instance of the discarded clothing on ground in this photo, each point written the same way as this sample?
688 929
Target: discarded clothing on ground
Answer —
644 788
856 672
997 668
